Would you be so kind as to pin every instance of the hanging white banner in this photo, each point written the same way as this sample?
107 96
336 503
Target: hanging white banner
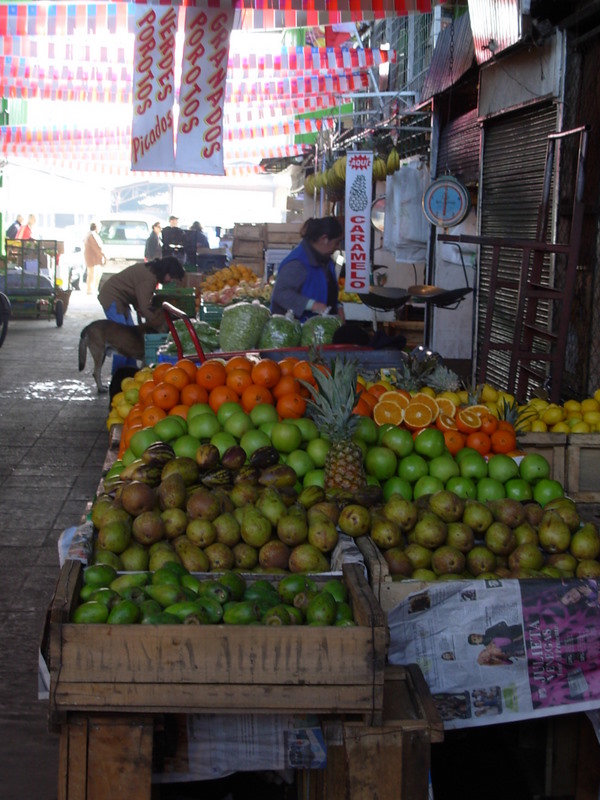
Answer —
152 141
359 190
202 92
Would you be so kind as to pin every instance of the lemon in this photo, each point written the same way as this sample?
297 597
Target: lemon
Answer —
494 411
590 404
597 395
361 380
123 409
510 398
537 425
537 403
113 419
488 394
428 390
127 383
560 427
143 375
553 414
571 406
581 427
592 417
119 397
463 397
452 396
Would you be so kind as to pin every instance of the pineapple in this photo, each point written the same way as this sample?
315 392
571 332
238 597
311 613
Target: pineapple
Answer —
331 409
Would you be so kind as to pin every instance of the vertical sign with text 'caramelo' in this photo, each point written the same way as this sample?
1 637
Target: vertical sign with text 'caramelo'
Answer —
152 130
359 190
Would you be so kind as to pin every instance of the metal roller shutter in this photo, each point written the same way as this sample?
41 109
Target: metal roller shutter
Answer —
459 149
514 154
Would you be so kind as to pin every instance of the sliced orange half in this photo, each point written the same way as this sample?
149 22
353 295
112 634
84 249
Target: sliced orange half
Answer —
445 422
467 420
478 409
446 406
387 413
417 415
426 400
398 398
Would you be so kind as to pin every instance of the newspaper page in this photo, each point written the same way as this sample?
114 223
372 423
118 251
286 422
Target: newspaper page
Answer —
221 744
495 651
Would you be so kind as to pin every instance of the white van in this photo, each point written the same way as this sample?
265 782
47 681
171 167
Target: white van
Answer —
123 239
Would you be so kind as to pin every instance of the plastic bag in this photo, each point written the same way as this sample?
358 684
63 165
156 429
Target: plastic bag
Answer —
319 330
282 330
241 326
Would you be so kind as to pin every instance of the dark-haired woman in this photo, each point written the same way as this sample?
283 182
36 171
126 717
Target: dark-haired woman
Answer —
134 287
306 280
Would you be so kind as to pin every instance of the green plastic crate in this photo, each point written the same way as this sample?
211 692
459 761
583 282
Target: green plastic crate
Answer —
211 313
152 341
181 298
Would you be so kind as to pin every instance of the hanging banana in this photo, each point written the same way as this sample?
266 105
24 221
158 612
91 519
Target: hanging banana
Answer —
379 169
393 162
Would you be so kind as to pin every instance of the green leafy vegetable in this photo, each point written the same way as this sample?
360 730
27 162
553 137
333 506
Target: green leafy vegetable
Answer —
241 326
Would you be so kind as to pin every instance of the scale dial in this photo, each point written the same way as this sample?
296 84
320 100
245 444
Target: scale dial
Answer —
446 202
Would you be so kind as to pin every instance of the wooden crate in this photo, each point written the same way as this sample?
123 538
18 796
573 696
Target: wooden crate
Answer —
257 265
282 234
111 754
220 668
553 446
582 468
249 231
247 248
389 762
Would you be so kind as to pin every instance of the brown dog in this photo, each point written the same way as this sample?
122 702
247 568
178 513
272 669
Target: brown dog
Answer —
102 336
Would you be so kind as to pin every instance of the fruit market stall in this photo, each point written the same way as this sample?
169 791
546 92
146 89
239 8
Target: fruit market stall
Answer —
435 486
145 658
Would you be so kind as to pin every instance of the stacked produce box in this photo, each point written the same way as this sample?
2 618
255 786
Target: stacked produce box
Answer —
252 243
248 246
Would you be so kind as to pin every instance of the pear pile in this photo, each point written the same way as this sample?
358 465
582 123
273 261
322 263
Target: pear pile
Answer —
444 537
214 513
171 595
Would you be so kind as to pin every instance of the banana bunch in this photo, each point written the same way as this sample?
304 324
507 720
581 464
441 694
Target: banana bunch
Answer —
379 169
339 168
310 183
393 162
348 297
333 179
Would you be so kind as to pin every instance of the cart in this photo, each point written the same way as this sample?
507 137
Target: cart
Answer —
28 278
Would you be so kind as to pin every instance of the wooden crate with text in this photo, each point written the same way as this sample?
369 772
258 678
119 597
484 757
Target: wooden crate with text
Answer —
220 668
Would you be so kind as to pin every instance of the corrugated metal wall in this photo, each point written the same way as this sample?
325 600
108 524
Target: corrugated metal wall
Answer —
459 149
514 154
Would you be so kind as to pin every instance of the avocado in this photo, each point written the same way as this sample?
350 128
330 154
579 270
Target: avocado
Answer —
126 612
91 612
321 610
99 575
244 612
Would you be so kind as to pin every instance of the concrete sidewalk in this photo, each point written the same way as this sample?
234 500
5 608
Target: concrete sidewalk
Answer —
53 442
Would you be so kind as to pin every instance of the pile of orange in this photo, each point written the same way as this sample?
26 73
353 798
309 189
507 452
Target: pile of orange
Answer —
244 380
465 426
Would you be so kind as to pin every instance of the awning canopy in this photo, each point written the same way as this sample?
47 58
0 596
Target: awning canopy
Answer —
64 18
83 53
